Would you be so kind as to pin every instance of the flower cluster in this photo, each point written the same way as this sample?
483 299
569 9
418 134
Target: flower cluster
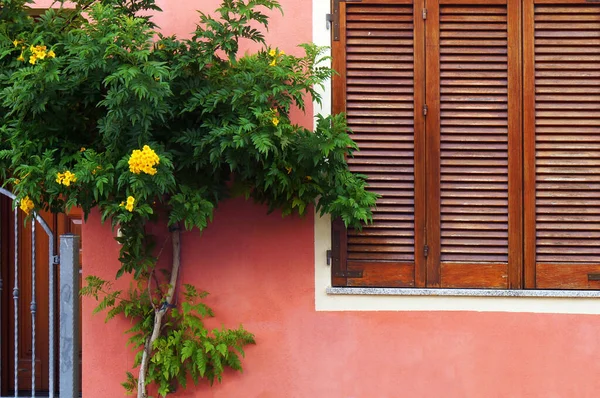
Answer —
65 178
274 55
37 53
129 205
143 161
26 204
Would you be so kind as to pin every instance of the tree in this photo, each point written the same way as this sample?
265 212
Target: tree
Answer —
99 110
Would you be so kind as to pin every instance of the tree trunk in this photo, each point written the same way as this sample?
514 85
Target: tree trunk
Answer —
159 313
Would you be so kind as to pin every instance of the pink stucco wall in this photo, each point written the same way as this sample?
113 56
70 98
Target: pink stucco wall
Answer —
259 270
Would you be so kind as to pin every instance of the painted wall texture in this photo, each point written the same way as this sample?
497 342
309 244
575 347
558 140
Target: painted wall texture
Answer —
259 270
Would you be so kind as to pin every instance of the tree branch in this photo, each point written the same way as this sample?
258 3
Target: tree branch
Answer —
159 313
152 276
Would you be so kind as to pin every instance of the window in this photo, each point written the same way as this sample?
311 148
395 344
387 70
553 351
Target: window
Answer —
479 124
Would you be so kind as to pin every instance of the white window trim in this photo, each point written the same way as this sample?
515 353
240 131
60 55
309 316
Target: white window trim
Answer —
349 299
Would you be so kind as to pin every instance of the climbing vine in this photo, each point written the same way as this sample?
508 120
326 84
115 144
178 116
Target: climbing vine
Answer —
99 110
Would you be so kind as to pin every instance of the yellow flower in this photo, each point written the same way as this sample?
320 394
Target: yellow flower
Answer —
21 58
65 178
16 42
26 204
273 52
289 170
17 181
69 178
275 121
130 202
82 149
273 63
32 59
51 54
161 46
143 161
281 52
308 178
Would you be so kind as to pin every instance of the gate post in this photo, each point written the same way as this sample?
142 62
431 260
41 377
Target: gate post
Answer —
69 317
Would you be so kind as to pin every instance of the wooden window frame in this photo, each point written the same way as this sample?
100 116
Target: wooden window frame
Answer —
521 264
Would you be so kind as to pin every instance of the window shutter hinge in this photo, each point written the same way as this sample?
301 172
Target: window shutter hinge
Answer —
426 251
335 17
328 257
424 13
329 19
594 277
55 260
425 109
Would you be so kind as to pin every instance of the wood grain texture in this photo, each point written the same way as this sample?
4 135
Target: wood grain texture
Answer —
566 149
420 148
567 276
480 119
379 67
503 174
474 139
382 274
474 276
528 145
515 146
432 42
474 182
339 251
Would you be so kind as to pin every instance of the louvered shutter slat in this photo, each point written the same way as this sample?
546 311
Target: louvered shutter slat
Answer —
378 50
563 216
478 122
457 180
388 164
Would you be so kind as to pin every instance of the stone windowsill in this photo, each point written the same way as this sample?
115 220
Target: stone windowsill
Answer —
461 292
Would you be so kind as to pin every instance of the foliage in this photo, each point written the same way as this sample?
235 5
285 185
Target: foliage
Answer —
188 350
215 124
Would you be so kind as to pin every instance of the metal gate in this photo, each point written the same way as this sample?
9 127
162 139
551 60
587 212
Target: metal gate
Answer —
68 307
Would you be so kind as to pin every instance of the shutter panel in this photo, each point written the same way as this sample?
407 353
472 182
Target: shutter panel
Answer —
472 128
562 120
375 56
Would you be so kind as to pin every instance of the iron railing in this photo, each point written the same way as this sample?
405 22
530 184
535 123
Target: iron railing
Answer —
69 310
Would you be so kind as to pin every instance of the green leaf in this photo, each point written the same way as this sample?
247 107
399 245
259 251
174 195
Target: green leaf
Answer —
222 348
187 350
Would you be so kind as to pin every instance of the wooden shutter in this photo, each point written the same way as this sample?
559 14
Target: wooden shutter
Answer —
380 62
474 187
562 143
